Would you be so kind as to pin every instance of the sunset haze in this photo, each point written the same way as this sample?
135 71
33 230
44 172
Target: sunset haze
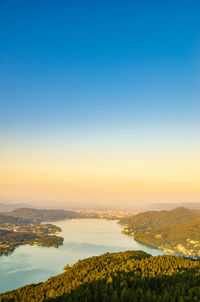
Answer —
100 106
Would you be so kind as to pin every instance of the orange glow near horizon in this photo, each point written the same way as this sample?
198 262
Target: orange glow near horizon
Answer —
116 177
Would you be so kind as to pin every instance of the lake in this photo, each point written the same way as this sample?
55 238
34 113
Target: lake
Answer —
82 238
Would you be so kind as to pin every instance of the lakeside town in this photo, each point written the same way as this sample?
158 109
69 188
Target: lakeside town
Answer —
14 234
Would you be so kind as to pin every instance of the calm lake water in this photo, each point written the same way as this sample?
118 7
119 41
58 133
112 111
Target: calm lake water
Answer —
82 238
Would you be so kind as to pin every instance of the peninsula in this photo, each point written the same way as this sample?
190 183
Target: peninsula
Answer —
175 231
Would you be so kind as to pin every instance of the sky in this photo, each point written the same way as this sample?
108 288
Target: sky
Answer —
100 102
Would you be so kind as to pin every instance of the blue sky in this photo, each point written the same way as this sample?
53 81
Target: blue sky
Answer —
99 72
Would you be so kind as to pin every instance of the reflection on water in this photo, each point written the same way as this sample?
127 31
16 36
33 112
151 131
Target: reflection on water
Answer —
82 238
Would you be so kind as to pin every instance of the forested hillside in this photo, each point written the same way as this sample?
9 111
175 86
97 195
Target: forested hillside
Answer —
175 231
43 215
119 277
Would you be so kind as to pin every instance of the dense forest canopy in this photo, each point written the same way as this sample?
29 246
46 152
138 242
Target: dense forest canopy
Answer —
119 277
163 218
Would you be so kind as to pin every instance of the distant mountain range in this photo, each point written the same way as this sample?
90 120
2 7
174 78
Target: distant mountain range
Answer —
8 206
170 206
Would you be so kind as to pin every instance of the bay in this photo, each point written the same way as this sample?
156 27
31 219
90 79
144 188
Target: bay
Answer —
82 238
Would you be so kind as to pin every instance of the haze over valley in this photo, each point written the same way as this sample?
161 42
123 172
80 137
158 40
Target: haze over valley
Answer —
99 151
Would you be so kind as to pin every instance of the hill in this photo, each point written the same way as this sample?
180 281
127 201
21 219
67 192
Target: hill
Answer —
43 215
13 220
118 277
7 206
175 231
